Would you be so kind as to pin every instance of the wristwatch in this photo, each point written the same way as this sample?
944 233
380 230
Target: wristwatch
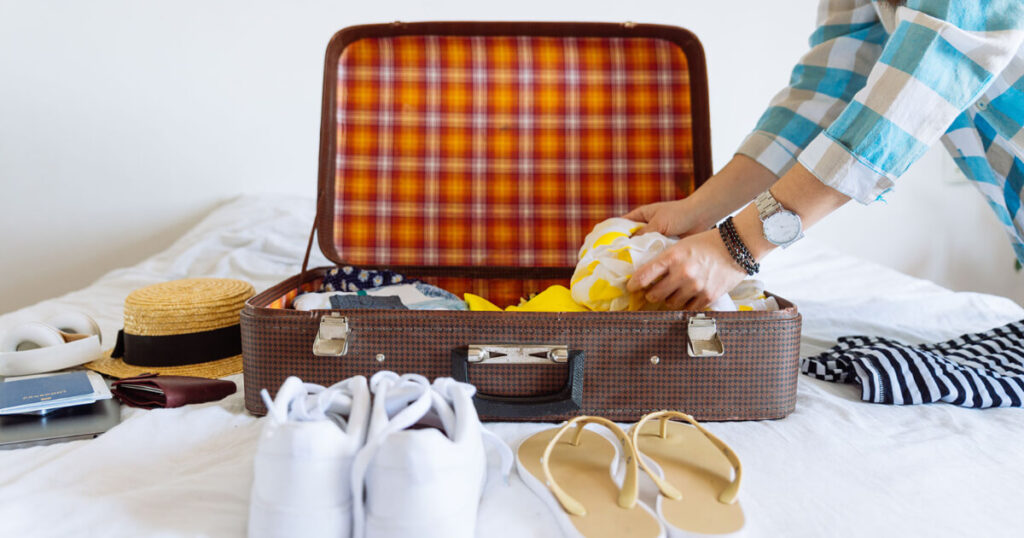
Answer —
781 226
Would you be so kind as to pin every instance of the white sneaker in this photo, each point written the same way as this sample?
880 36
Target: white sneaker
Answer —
423 468
304 458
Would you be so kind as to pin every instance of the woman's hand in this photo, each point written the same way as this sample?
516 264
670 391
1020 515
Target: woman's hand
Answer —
690 274
735 185
699 269
677 218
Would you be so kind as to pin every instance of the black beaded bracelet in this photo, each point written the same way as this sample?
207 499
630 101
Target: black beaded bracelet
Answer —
746 263
734 251
737 249
749 264
740 246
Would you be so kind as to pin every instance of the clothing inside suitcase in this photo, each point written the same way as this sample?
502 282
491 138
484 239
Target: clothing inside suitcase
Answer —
477 156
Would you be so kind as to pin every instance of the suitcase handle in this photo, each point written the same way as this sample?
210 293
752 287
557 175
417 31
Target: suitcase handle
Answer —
567 400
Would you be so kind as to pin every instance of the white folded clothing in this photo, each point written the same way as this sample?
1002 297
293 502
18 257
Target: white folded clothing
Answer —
722 304
409 294
762 304
748 289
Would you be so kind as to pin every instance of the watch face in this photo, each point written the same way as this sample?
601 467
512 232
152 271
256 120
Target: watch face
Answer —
782 227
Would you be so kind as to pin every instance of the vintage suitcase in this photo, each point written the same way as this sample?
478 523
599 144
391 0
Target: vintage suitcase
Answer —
476 156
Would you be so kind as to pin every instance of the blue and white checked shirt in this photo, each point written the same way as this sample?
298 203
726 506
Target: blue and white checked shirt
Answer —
882 84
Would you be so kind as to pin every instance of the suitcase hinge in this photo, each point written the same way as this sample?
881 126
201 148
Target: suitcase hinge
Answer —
517 354
703 337
332 338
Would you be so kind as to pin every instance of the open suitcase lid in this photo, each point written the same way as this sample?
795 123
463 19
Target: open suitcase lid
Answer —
481 148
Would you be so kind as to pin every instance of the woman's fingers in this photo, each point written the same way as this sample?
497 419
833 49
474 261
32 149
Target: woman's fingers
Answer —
640 214
649 273
662 290
696 303
677 300
675 285
669 218
688 274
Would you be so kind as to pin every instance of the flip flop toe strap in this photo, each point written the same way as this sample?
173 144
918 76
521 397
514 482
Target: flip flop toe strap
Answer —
628 492
728 494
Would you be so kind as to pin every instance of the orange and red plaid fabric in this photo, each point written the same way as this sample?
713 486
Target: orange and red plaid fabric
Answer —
502 151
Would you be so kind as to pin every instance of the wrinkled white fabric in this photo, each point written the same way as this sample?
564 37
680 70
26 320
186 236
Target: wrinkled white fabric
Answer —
608 258
407 293
836 467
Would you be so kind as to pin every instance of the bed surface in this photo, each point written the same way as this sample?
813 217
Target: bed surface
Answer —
835 467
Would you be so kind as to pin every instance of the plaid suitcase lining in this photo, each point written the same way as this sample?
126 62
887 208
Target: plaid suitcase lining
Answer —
502 151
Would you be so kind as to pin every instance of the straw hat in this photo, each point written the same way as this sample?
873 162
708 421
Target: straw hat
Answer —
183 327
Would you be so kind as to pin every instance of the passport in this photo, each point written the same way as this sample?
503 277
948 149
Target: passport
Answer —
43 392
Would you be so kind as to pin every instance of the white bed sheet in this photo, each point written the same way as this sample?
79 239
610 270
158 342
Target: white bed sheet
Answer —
835 467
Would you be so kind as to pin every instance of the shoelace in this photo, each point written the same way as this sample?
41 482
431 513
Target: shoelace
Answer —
415 393
306 402
444 386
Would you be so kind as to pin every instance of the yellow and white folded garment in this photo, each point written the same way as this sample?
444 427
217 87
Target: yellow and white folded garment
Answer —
608 258
611 254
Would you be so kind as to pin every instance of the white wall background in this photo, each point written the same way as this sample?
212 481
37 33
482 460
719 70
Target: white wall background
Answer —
122 123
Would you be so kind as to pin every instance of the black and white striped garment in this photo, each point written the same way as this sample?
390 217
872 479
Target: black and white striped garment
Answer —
975 370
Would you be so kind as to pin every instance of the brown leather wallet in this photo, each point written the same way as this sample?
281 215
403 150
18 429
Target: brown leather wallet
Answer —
151 391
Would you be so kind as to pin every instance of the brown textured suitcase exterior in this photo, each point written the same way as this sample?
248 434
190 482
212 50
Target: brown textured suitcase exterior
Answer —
399 88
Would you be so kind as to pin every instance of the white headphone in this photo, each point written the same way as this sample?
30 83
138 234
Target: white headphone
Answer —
65 340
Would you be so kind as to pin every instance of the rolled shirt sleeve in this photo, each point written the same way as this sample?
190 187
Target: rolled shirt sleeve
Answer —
940 58
844 46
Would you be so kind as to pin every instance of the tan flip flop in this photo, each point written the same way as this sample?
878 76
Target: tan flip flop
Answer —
699 476
575 478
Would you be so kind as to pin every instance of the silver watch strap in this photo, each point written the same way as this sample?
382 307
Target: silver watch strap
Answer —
766 204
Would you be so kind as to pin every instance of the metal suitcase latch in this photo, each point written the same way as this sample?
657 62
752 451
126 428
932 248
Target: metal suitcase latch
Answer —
332 338
517 354
703 337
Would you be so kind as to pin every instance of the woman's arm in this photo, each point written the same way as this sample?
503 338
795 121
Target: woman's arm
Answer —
733 186
938 61
699 269
800 192
845 44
